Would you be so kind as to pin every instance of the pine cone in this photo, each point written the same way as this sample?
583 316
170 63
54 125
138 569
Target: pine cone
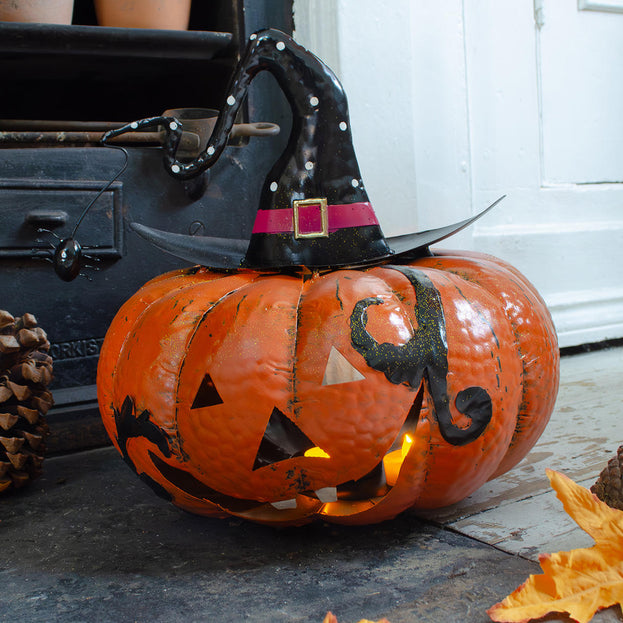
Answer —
609 486
25 372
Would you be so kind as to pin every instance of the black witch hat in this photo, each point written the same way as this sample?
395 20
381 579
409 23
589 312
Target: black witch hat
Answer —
314 210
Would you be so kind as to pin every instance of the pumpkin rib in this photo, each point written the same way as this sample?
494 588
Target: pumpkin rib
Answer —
338 407
294 355
434 491
473 466
232 294
403 494
162 301
502 265
230 291
512 276
196 327
533 416
118 333
538 393
251 361
146 317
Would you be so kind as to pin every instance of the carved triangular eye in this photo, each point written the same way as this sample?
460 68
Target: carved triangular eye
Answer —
207 394
282 440
340 370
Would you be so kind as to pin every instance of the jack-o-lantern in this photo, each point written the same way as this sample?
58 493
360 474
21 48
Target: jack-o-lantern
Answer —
334 373
351 394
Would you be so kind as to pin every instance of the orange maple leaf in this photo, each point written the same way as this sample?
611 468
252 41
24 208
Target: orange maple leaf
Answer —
581 581
331 618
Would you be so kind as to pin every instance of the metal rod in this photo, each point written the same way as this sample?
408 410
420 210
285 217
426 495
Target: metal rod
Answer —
39 125
258 128
190 141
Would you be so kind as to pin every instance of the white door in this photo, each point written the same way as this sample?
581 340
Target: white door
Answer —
455 103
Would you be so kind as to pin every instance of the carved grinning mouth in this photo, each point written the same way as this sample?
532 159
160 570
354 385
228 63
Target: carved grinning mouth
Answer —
283 441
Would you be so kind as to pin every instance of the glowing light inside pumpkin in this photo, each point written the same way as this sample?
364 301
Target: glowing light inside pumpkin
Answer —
407 442
317 452
392 462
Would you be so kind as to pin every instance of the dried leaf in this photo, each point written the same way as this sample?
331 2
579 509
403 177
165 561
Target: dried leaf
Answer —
331 618
581 581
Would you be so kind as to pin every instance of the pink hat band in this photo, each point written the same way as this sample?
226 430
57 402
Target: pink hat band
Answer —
312 218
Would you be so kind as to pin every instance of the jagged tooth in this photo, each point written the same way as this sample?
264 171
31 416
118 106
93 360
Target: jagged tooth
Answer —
283 505
327 494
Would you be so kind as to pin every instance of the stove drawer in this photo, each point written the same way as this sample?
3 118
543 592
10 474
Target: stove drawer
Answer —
26 206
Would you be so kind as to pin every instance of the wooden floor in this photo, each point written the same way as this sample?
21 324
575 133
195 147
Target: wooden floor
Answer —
518 512
88 541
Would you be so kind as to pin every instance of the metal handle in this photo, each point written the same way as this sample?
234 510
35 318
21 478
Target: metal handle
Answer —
46 218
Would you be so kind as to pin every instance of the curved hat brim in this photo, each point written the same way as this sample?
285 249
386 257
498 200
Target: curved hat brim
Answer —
408 243
229 253
224 253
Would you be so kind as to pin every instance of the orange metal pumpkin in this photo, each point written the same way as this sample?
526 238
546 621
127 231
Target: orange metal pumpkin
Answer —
349 395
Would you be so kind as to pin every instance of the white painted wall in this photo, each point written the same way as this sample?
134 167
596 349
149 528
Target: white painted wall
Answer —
402 66
455 103
356 40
